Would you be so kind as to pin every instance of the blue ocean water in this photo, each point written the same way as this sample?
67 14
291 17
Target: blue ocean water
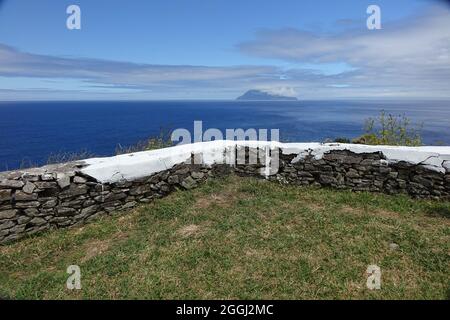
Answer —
31 131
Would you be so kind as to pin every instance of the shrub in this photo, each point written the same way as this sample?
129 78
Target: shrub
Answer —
152 143
342 140
55 158
63 157
388 129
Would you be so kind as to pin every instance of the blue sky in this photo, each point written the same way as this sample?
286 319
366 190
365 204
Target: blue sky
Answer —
216 49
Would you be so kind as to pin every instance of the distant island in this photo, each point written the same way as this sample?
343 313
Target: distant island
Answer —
259 95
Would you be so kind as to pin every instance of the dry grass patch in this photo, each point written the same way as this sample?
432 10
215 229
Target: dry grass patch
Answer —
188 231
95 248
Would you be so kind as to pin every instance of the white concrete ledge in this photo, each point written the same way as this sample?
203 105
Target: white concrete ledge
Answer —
142 164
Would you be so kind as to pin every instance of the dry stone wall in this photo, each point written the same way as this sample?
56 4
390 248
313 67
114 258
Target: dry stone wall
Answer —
59 196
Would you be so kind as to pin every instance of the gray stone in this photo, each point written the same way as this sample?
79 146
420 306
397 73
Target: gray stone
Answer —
5 195
50 203
304 174
112 206
124 184
189 183
309 167
74 190
327 180
76 203
352 160
37 229
63 181
48 177
11 238
64 224
173 180
64 211
89 203
46 212
369 162
22 196
29 187
89 210
6 206
165 187
46 185
59 219
129 205
153 179
164 175
11 184
20 228
286 169
30 177
8 214
352 174
182 171
385 170
102 187
198 175
120 190
393 174
298 165
425 182
79 180
27 204
114 197
417 187
341 158
6 224
31 212
154 187
95 216
378 183
23 219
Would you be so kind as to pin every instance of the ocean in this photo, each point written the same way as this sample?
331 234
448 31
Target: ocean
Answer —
31 131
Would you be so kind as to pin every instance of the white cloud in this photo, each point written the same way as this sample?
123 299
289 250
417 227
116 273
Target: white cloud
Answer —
281 91
408 59
168 81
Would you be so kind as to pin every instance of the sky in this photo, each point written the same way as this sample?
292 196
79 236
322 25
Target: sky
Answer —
218 49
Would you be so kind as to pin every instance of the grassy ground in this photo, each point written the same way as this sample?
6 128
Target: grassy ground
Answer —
245 239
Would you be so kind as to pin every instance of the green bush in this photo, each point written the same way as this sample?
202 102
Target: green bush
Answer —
152 143
342 140
389 129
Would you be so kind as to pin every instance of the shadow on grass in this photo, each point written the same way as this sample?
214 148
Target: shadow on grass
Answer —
440 210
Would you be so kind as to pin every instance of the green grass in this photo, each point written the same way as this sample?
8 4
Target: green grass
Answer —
242 238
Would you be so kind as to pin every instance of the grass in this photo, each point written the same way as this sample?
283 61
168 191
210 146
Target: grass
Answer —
242 238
